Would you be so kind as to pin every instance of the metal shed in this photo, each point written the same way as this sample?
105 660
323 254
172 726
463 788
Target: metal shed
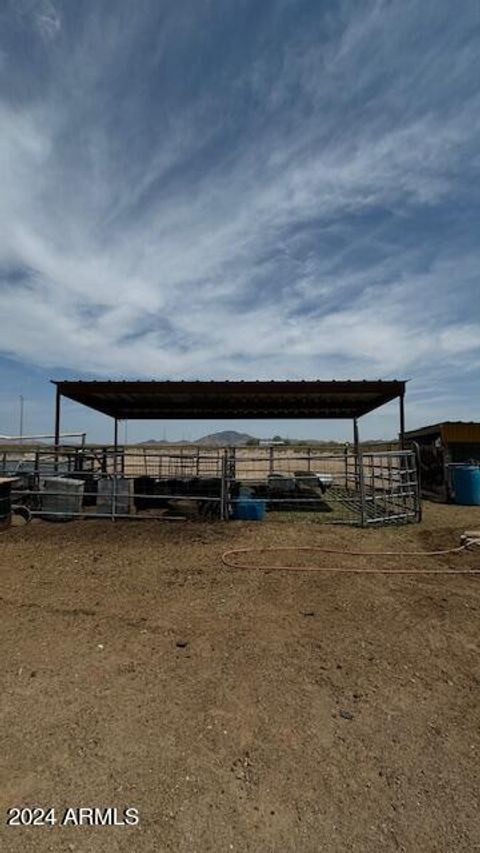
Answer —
441 446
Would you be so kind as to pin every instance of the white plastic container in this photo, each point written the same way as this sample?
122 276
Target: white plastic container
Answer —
62 497
123 496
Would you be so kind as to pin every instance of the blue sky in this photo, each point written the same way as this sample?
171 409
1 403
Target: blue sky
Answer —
240 189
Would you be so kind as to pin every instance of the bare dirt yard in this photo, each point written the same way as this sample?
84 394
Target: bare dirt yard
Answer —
240 710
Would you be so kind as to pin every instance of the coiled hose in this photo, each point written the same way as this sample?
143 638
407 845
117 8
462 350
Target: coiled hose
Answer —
228 561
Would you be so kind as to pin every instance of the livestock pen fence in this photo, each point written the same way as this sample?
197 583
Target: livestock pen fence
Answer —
372 487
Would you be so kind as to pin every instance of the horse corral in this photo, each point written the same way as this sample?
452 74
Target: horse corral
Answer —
358 485
368 487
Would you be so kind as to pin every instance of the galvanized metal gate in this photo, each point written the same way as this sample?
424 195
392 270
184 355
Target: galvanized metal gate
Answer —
368 488
388 488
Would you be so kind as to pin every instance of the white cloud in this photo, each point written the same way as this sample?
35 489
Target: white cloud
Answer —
113 247
48 20
43 15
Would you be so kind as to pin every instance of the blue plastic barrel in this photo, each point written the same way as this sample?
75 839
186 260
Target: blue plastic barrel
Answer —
466 484
249 509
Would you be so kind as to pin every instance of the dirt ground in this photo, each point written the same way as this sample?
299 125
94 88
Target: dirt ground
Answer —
240 710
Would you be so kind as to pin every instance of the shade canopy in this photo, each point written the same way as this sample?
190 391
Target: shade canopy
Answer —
127 400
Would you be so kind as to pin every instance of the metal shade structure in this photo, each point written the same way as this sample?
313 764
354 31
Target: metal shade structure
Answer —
191 400
166 400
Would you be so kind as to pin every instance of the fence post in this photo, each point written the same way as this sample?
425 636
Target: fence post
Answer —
224 487
114 496
271 459
361 483
418 478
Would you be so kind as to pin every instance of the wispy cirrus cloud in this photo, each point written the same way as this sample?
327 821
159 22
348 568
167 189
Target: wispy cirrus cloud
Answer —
42 15
289 191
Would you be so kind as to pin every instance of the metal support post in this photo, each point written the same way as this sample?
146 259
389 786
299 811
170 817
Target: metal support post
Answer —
356 449
402 421
115 445
114 483
57 425
224 487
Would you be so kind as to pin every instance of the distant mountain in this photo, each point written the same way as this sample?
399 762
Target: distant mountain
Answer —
227 438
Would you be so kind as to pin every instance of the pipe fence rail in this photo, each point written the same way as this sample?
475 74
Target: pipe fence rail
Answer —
371 487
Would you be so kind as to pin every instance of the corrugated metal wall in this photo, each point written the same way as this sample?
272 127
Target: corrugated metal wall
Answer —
465 433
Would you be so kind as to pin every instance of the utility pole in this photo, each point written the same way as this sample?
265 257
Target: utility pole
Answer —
20 432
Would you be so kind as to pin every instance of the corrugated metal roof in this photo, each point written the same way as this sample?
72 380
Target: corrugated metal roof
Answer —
450 431
169 399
